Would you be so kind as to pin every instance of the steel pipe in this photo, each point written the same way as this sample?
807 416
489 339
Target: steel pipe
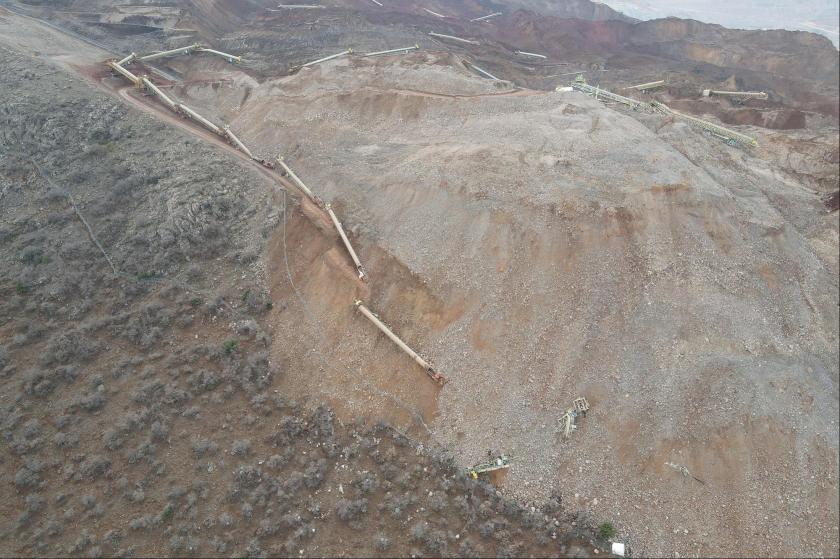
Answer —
331 57
434 375
488 16
298 182
230 58
393 51
347 244
237 142
183 50
434 13
644 86
531 54
725 133
744 94
484 72
127 60
123 72
442 36
580 84
163 97
200 119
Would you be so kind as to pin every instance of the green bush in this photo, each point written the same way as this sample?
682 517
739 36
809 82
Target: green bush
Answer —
167 513
229 346
606 530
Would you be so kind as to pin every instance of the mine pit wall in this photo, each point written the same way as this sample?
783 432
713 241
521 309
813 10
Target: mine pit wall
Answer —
357 369
585 288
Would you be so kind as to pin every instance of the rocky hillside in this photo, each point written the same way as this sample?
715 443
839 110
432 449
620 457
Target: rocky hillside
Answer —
140 411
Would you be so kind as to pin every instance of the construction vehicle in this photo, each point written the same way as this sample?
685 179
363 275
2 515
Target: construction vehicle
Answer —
434 375
568 421
501 462
738 96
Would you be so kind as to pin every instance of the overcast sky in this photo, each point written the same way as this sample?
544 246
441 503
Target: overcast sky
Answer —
819 16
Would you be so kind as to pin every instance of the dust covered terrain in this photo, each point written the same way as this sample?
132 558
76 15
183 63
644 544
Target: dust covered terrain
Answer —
686 287
140 409
535 245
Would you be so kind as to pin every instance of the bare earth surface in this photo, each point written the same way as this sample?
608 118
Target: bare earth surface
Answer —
537 246
559 248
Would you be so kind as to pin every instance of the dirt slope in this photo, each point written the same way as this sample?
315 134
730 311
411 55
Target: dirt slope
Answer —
537 246
554 248
141 412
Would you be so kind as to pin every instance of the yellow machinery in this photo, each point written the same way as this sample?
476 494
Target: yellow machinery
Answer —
499 463
568 421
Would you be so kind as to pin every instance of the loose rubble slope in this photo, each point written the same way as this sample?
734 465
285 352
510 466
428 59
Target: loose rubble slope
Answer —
687 288
140 408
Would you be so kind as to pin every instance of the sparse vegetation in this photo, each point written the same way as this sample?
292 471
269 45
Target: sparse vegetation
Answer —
229 346
606 531
167 513
119 422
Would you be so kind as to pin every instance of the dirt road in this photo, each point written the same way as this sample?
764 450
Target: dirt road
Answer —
149 106
79 56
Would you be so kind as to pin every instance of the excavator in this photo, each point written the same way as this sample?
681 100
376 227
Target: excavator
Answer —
501 462
568 421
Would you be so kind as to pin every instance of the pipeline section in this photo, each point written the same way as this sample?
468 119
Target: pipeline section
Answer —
299 183
346 241
488 16
731 137
434 375
453 38
331 57
393 51
484 73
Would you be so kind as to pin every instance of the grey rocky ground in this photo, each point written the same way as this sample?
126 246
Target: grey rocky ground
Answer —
538 246
686 287
139 408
